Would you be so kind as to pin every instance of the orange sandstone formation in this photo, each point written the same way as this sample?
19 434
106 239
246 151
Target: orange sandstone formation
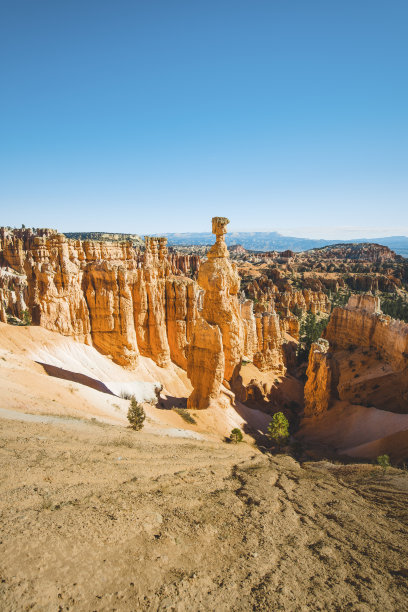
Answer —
279 291
256 336
221 313
103 293
368 359
128 303
182 297
362 324
269 355
220 280
206 364
319 374
305 300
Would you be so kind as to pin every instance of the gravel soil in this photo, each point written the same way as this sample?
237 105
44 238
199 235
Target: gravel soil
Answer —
97 517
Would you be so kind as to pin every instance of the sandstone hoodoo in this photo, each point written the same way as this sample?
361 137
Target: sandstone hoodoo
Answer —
220 281
319 374
257 337
127 302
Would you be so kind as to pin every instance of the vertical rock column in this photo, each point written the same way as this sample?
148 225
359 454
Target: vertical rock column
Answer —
149 298
319 377
221 313
205 365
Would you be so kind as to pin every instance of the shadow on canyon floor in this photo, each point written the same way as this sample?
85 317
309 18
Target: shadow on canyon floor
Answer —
170 401
76 377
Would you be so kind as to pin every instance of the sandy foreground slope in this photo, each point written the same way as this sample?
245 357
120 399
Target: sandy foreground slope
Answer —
96 517
42 372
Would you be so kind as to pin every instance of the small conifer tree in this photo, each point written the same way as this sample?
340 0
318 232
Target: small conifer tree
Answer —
26 317
236 435
278 429
136 415
384 462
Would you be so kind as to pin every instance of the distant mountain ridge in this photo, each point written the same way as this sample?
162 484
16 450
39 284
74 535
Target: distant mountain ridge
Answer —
273 241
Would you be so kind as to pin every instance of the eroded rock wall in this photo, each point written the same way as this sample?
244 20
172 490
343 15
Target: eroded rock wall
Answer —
269 339
205 365
108 294
127 302
368 356
361 324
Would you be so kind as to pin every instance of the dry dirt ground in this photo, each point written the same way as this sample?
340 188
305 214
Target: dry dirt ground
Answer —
97 517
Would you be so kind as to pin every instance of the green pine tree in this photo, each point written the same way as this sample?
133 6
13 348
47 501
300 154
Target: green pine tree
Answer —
236 435
311 329
136 415
384 462
278 429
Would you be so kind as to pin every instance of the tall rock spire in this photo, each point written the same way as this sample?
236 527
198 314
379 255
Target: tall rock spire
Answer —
224 328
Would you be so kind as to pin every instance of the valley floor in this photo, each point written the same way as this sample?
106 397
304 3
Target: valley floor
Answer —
97 517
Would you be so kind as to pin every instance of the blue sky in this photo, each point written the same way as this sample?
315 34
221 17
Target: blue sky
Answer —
154 116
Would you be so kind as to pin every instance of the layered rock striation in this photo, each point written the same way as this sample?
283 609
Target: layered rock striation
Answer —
108 294
256 336
319 378
129 302
365 361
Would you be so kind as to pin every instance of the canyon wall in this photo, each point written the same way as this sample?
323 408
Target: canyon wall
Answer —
108 294
367 357
127 302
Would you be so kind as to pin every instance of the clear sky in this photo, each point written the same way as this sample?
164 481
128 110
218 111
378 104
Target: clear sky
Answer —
154 115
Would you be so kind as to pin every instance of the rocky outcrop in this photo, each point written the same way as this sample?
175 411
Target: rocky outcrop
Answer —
54 280
249 327
278 291
220 281
304 300
127 302
205 365
290 325
368 252
361 324
108 294
269 339
368 355
13 294
149 297
319 376
188 265
182 299
220 319
108 298
255 336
